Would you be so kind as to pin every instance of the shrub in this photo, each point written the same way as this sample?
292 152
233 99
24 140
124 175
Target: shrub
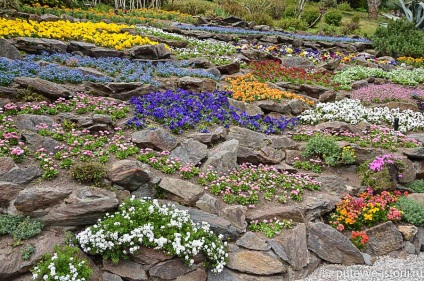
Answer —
352 26
399 38
89 172
141 222
277 8
413 211
260 18
290 11
333 17
292 24
27 251
192 7
323 147
329 29
310 14
329 3
18 227
344 6
417 186
63 264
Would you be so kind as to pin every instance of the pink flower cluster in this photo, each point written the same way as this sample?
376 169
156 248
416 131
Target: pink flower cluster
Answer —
379 162
386 92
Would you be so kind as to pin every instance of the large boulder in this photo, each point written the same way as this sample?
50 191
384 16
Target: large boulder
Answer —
39 45
31 121
129 174
255 262
8 192
252 241
7 50
295 246
153 52
181 191
46 88
331 245
13 265
84 206
21 175
224 158
190 151
383 239
157 139
35 198
127 269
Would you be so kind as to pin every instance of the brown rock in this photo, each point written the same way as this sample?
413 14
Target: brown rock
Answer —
383 239
255 263
281 213
157 139
8 192
130 174
252 241
181 191
12 265
331 245
236 214
170 269
149 256
295 245
408 231
197 275
126 269
46 88
34 198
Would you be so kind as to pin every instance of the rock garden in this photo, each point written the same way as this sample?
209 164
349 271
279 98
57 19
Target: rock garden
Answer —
149 145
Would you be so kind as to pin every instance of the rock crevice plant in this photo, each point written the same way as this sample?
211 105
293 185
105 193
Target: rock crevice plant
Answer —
140 222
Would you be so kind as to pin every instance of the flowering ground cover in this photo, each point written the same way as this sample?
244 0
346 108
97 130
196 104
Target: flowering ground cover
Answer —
212 50
247 88
270 227
352 111
182 110
115 69
101 34
235 30
140 222
367 209
386 93
136 16
415 62
377 136
272 71
399 76
249 184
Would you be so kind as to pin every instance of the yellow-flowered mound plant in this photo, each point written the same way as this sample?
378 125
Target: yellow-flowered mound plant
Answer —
101 34
247 88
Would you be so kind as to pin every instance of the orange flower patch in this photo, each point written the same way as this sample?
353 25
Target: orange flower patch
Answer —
247 88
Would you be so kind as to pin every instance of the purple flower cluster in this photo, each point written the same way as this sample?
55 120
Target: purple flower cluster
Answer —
182 110
235 30
379 162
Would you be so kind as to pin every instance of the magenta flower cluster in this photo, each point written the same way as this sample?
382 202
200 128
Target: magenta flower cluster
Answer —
386 93
379 162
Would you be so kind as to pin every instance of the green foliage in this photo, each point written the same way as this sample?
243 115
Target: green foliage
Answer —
329 3
329 29
18 227
27 251
413 211
270 228
310 14
9 4
323 147
88 172
352 26
417 186
261 18
292 24
64 262
290 11
52 3
192 7
150 224
344 6
399 38
333 17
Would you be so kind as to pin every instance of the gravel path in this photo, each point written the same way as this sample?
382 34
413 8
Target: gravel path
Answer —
384 269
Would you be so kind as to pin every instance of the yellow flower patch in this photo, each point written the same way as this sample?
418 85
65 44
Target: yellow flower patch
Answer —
246 88
101 34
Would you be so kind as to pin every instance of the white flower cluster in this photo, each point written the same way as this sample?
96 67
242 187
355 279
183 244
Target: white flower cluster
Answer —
399 76
352 111
147 223
71 274
197 46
